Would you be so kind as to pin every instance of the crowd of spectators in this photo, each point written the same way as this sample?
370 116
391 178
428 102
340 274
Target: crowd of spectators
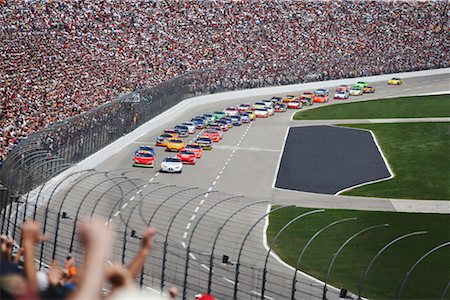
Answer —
61 58
20 279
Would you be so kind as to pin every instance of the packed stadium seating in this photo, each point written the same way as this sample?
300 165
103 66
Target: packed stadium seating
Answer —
60 58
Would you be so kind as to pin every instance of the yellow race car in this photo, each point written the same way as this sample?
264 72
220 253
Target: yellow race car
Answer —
368 89
174 145
251 114
395 81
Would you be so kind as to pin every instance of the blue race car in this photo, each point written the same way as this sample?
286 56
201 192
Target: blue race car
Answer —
145 149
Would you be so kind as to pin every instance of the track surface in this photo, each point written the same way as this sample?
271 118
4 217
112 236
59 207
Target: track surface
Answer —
327 159
244 162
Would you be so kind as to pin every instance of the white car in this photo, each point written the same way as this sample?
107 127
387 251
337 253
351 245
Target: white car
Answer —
190 126
356 91
244 107
171 165
341 95
268 103
261 113
270 110
231 111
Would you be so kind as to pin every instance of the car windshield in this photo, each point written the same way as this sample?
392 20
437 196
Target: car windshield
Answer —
193 146
171 159
186 152
261 109
144 154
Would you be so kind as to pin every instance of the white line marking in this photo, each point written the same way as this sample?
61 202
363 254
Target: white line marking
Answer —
231 155
206 196
221 172
110 220
193 217
144 186
217 177
196 209
265 297
151 179
192 256
156 291
223 168
157 174
125 205
237 145
234 151
185 235
183 244
188 225
204 267
132 198
117 213
106 223
279 157
210 189
138 192
228 280
203 201
214 183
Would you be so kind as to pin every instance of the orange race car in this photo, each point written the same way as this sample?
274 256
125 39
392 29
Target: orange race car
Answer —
321 98
163 139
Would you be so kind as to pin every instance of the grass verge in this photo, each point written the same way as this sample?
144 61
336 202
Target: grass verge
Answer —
404 107
418 155
426 282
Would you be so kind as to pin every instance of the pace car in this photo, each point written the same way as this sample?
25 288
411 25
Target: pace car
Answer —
145 148
368 89
321 98
197 149
171 165
187 157
361 84
395 81
144 159
341 95
204 142
174 145
356 91
295 104
163 139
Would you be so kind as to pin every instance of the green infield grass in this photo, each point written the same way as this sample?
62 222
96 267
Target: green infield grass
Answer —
404 107
418 154
428 280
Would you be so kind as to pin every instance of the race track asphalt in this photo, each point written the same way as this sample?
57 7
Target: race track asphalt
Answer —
244 162
327 159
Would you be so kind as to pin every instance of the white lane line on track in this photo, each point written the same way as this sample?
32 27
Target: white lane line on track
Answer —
185 235
138 192
206 196
157 173
218 176
117 213
214 183
151 179
183 244
193 217
153 290
132 198
201 202
228 280
188 225
196 209
259 295
144 186
125 205
210 189
204 267
192 256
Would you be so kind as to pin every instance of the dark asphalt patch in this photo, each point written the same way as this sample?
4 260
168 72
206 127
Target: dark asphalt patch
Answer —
327 159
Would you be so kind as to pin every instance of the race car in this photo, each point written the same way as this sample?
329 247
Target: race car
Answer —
236 120
280 107
261 113
203 118
219 115
190 126
251 114
356 91
209 117
174 145
321 98
258 105
172 132
267 102
341 95
320 92
245 117
288 98
295 104
144 159
270 110
171 165
214 135
187 157
276 100
183 131
199 123
231 111
196 149
204 142
163 139
244 107
368 89
146 149
342 88
361 84
307 100
307 95
223 124
395 81
229 122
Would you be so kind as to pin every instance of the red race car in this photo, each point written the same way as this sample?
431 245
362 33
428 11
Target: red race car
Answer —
197 149
214 135
187 157
144 159
295 104
280 107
